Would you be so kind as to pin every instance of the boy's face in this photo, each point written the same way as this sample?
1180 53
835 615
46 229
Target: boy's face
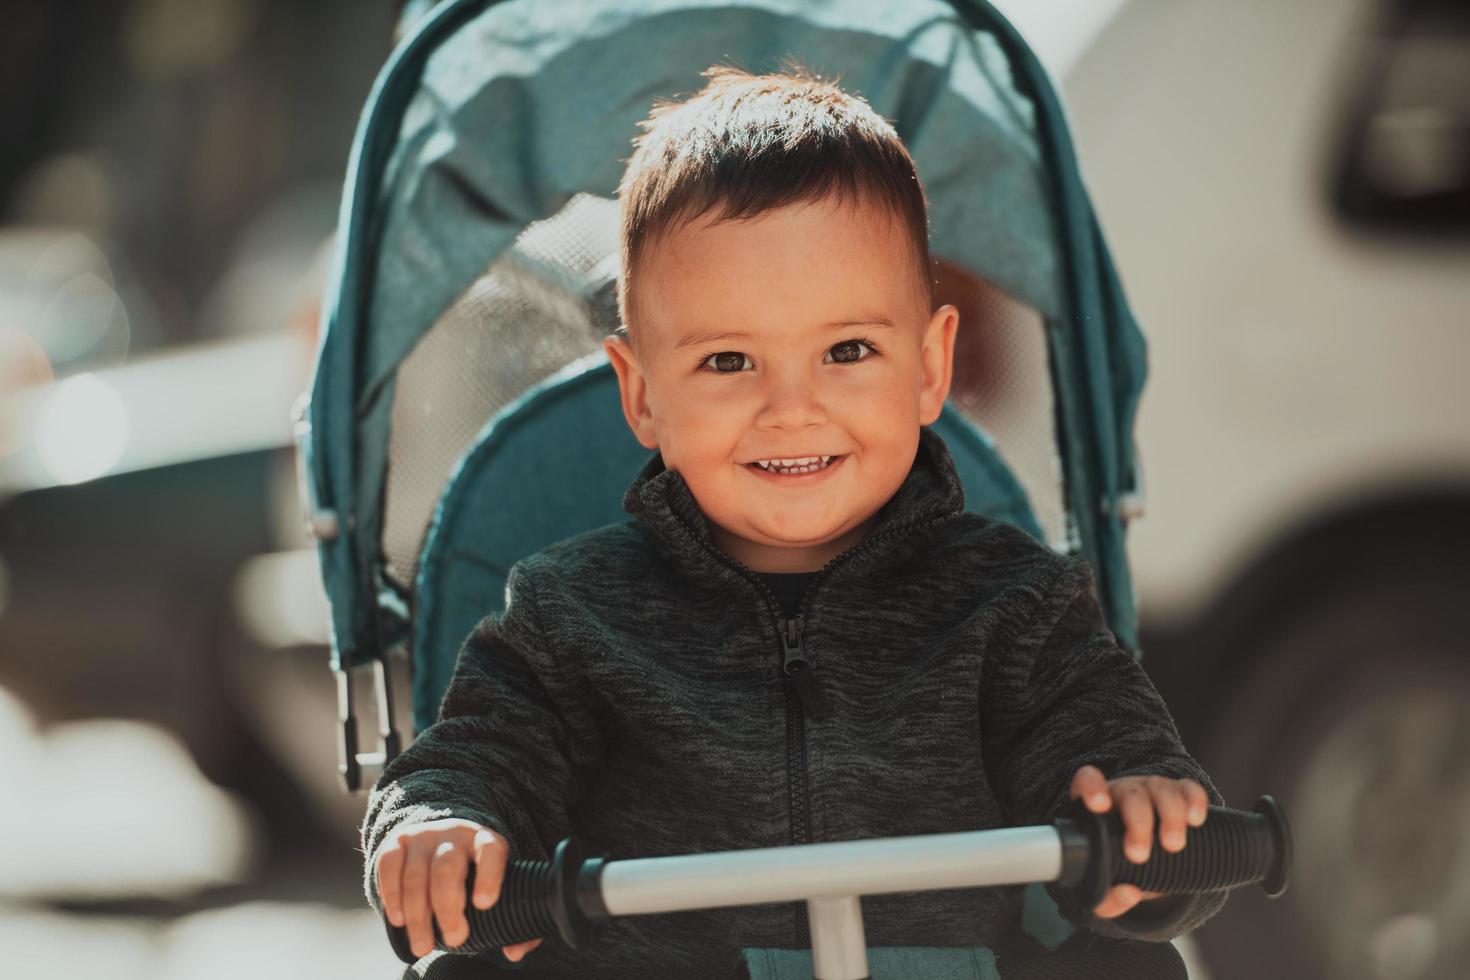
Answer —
798 333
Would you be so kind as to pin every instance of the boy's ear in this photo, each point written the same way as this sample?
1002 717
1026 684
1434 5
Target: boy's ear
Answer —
632 389
936 362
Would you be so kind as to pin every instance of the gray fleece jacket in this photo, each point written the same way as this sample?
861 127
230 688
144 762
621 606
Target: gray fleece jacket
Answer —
632 692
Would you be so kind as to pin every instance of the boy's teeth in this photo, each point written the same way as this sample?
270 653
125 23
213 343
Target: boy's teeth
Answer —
803 464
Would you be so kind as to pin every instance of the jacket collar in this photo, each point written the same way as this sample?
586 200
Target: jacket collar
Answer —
661 499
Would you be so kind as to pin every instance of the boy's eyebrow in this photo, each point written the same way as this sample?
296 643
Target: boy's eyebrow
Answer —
689 340
865 321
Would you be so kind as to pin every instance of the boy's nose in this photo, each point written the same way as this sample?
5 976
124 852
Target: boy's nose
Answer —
791 403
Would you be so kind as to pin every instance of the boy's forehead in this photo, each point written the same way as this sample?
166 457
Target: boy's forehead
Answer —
802 267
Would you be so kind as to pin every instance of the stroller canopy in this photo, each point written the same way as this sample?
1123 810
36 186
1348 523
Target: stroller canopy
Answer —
483 174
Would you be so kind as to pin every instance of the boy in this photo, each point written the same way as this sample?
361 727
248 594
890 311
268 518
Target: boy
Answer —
802 636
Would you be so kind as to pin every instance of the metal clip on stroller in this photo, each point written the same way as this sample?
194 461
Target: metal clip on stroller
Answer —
463 416
571 894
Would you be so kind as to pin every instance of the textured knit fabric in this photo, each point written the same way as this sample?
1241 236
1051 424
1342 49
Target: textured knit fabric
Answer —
1086 956
632 693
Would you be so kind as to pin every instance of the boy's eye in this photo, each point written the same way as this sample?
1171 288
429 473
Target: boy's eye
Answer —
850 352
726 362
847 352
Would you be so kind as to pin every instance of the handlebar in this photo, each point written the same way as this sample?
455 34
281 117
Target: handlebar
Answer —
569 896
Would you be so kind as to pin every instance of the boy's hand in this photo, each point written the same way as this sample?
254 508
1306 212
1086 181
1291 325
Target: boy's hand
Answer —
1180 802
422 868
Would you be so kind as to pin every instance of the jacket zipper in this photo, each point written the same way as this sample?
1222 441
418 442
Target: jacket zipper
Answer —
799 793
793 652
808 696
797 667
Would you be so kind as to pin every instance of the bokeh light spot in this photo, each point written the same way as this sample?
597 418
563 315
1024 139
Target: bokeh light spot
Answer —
81 429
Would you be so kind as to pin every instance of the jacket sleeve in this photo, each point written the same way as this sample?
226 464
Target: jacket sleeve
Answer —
511 748
1060 694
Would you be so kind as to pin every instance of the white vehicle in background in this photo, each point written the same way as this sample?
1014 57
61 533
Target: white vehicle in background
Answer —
1286 190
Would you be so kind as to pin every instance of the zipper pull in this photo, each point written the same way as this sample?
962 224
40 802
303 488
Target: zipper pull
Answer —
801 672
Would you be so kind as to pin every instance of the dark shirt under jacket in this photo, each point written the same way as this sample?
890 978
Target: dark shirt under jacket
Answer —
788 588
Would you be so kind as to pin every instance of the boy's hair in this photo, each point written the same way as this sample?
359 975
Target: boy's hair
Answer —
748 144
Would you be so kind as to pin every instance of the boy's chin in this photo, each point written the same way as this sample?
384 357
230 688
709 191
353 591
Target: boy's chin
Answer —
814 536
792 538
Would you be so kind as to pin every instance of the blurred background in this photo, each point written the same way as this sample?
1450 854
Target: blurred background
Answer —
1286 190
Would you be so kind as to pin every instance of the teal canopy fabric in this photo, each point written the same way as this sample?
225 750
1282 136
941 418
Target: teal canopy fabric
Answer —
884 963
477 160
492 115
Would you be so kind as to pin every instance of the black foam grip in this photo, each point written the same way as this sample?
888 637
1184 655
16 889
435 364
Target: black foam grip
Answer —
523 912
1232 848
536 901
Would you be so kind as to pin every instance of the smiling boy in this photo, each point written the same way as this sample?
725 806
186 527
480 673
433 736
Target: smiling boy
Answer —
801 334
802 636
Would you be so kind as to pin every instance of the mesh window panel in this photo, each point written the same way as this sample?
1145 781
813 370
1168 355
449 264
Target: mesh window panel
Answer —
549 300
1002 383
543 304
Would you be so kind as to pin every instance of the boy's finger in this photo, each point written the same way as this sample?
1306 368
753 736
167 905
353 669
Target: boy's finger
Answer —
416 901
1119 899
1199 802
446 878
1169 800
390 873
1137 808
518 952
490 855
1091 786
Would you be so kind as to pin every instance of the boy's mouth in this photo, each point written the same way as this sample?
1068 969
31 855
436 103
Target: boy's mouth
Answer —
795 466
